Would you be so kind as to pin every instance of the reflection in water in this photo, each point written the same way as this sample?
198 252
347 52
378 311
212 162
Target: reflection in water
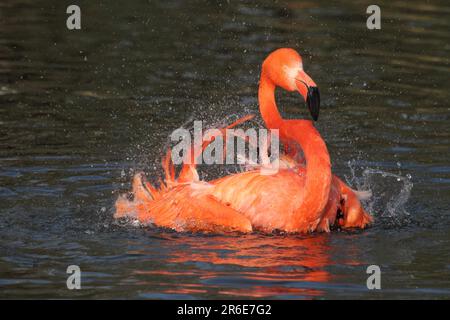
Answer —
261 266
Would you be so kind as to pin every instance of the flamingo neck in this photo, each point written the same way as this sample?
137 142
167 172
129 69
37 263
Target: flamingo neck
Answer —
267 105
318 168
318 174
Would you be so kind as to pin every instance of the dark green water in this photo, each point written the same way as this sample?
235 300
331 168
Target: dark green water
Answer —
81 110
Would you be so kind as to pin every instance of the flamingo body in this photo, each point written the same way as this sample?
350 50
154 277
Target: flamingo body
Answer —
298 197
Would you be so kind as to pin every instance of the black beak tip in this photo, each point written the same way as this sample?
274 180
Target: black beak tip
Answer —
313 102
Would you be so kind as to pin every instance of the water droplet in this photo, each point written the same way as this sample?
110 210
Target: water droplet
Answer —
135 223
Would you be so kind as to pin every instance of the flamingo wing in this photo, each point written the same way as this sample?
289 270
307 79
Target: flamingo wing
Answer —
186 207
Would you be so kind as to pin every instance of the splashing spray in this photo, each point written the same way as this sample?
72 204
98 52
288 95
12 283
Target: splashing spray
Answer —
390 193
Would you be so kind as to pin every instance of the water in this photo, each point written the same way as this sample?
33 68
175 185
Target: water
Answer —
80 111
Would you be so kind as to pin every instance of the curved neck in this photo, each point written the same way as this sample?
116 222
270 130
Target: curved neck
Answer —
267 104
318 174
318 168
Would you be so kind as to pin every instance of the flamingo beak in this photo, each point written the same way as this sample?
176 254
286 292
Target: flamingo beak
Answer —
309 91
313 102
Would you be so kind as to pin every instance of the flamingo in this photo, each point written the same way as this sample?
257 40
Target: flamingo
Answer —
298 198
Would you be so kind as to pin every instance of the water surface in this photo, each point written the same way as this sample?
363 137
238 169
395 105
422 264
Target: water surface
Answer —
80 111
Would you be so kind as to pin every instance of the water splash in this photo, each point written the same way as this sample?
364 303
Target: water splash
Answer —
390 193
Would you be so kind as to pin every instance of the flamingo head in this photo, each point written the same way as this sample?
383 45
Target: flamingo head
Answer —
284 68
